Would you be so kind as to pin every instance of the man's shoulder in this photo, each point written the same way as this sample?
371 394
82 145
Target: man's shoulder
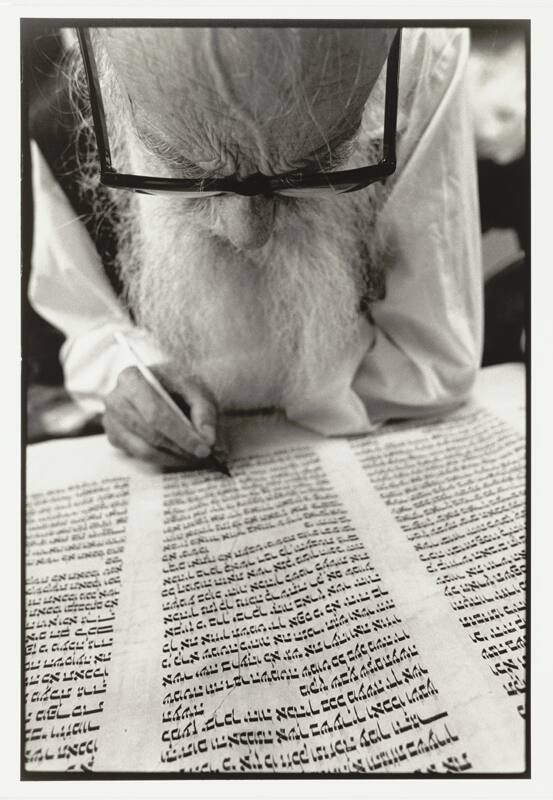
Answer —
425 49
430 57
433 59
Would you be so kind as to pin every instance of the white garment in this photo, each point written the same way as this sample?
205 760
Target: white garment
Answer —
423 351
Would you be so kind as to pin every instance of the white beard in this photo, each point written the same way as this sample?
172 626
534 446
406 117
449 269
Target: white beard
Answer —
259 328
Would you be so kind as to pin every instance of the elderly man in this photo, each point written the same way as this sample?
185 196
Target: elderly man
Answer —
252 278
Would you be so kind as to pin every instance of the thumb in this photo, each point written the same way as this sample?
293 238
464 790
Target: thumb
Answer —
202 405
203 411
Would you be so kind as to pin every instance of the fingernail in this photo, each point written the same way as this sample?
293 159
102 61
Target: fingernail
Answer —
208 432
202 451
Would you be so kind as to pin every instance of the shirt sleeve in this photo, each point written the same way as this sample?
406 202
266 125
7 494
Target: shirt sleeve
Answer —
427 335
69 288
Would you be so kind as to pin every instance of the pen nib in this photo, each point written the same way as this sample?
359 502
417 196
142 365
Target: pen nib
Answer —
219 464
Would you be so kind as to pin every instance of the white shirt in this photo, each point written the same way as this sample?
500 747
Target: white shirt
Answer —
423 351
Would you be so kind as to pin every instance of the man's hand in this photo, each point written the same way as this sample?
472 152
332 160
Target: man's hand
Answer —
138 421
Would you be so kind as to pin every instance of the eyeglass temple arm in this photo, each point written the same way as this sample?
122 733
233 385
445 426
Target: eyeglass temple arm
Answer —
390 110
96 104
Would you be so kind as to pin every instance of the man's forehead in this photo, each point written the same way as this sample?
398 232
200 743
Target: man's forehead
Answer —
282 89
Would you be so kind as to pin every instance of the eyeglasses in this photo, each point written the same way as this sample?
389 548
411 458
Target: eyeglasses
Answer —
292 184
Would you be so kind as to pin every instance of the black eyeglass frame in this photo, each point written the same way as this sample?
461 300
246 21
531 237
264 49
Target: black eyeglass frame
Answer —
341 181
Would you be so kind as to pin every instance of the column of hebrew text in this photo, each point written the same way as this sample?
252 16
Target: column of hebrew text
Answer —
283 649
74 548
457 490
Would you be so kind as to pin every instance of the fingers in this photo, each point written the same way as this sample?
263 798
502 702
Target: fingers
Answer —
157 416
139 421
126 415
203 412
124 439
203 408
